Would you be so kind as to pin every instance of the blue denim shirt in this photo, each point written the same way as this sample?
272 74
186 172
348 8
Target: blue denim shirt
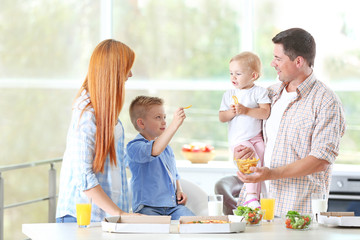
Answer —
77 173
150 183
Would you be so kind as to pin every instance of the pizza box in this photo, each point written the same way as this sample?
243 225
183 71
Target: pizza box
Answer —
137 224
235 224
340 219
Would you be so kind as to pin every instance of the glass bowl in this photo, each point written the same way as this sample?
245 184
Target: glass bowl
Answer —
251 216
244 165
297 221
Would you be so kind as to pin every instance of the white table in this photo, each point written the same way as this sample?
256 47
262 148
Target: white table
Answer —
268 231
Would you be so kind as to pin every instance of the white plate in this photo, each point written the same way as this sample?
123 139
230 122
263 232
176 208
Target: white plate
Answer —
346 221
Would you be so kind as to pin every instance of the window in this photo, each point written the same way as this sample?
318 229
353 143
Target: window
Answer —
183 49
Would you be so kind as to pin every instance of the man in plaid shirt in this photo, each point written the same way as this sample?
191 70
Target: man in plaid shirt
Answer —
303 132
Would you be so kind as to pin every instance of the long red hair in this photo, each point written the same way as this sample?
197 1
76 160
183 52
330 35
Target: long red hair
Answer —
109 67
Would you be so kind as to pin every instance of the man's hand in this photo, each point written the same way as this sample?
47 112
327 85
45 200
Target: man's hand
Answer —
299 168
243 152
259 174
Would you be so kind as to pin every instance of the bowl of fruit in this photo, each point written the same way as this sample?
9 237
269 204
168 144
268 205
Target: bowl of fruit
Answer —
198 152
252 216
297 221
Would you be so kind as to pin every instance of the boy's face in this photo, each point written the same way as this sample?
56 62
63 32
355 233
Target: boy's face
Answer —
154 122
240 75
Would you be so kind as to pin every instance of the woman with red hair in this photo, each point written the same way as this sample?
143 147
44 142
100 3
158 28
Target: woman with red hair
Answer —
93 163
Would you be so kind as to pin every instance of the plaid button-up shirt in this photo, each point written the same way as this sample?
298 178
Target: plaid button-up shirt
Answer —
77 172
312 124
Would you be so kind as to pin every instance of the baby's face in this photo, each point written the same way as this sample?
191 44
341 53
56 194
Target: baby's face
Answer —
155 121
240 75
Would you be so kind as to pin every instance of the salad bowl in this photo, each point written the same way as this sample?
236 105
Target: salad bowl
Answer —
297 221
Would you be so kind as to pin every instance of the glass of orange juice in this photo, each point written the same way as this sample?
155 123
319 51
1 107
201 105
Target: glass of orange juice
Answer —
267 202
83 212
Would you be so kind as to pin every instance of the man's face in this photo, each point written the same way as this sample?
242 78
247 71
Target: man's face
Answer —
284 66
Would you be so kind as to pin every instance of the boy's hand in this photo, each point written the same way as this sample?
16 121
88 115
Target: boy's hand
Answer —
163 140
181 197
179 117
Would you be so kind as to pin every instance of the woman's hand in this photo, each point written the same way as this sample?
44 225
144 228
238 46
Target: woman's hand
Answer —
243 152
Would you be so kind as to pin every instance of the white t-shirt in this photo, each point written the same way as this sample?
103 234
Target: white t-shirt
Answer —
242 128
273 123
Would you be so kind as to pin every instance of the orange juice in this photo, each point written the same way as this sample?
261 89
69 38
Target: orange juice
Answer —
268 204
83 214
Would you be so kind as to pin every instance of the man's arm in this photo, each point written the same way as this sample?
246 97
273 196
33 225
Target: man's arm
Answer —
299 168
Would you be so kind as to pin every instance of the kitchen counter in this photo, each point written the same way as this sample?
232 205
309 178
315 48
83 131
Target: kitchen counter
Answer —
269 231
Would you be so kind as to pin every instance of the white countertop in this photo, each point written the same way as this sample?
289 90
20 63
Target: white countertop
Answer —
268 231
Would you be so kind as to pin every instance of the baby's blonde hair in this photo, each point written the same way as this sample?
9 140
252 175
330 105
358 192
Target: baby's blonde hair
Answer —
251 60
140 106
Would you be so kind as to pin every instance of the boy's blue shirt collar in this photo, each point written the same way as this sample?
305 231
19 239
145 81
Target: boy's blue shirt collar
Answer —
140 137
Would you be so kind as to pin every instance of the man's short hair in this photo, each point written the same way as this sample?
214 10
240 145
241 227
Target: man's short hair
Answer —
297 42
140 106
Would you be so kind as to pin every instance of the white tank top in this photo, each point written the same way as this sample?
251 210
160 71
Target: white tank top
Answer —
272 125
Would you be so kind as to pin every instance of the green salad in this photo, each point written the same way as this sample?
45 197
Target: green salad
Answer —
252 216
295 220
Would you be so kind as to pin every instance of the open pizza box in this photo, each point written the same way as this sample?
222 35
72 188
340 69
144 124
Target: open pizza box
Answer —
199 224
341 219
137 224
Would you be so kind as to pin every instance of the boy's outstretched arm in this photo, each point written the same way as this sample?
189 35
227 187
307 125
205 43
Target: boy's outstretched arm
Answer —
163 140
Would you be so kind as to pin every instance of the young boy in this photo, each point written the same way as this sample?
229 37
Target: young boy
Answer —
155 181
245 116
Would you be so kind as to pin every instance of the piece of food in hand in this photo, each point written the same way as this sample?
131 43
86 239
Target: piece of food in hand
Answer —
251 216
236 101
244 165
295 220
198 152
188 107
